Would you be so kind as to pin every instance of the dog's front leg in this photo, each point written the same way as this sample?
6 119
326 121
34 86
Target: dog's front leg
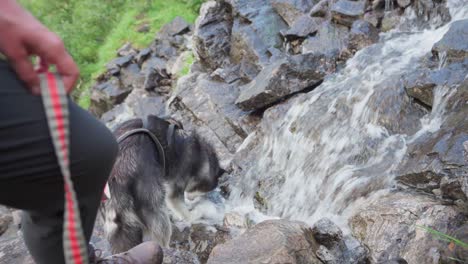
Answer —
176 203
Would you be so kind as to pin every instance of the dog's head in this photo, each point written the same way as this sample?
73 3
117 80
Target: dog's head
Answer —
194 158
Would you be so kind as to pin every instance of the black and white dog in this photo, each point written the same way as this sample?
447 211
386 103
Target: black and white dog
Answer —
158 162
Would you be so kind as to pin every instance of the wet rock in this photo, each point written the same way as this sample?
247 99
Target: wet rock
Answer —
327 233
212 36
106 95
390 20
282 79
362 35
291 10
388 226
346 12
304 26
274 241
454 44
373 17
435 161
178 26
331 40
211 103
420 84
430 13
174 256
204 238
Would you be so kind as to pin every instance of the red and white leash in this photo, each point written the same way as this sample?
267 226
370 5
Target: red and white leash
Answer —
55 101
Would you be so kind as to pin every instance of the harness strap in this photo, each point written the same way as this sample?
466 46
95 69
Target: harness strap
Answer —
153 138
55 103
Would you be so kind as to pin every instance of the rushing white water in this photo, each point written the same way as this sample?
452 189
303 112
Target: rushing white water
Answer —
336 146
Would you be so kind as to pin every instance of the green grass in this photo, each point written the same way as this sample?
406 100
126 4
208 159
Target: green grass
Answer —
94 30
446 238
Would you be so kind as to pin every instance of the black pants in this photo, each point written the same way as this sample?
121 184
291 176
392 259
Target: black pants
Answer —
30 178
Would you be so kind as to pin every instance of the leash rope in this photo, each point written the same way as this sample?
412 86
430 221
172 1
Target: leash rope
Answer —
55 102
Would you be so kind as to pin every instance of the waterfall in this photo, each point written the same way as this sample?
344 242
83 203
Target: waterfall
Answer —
334 145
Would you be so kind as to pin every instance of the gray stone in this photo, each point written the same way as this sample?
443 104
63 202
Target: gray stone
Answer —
174 256
178 26
155 74
374 17
304 27
290 10
274 241
131 77
454 44
212 36
228 74
331 40
204 238
114 66
143 55
282 79
390 227
106 95
327 233
127 50
346 12
5 219
14 251
362 34
321 9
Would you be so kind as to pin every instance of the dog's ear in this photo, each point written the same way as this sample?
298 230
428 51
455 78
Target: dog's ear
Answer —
157 125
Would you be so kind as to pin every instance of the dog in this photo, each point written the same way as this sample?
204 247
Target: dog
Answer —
157 165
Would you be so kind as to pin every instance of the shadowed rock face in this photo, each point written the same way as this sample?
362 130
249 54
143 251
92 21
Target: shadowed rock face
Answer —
453 45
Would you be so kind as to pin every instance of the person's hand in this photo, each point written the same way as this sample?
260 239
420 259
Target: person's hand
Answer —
21 35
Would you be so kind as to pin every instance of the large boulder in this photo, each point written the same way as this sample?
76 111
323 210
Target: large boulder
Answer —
393 226
283 79
346 12
362 35
454 44
212 36
106 95
273 241
331 40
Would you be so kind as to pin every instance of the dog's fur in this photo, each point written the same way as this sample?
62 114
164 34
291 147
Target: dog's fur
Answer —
140 190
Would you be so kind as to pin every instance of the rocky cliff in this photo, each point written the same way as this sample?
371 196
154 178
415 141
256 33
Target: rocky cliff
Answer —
345 123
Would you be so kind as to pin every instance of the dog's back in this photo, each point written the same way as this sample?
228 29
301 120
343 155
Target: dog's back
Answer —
136 210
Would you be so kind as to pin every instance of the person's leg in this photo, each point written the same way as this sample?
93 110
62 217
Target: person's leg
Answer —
30 178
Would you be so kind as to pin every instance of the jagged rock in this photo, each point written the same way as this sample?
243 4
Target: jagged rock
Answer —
435 162
255 36
174 256
388 226
282 79
106 95
228 74
204 238
212 36
454 44
331 40
163 48
235 220
404 3
127 50
420 84
321 9
14 251
346 12
211 102
114 66
143 55
131 77
327 233
291 10
178 26
155 74
362 34
304 27
274 241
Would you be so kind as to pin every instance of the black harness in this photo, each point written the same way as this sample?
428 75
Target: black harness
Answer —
160 147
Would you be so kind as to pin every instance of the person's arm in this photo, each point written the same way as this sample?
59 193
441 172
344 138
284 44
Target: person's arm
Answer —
22 35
